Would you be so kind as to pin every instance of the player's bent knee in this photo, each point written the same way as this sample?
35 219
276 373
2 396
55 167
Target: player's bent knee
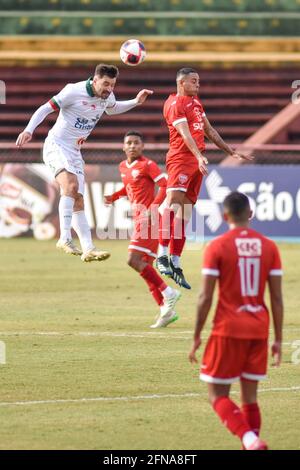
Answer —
131 261
135 262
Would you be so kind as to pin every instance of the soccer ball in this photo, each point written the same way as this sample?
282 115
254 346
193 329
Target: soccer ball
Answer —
132 52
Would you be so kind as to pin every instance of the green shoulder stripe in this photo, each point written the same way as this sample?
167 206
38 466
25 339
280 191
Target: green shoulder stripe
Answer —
54 104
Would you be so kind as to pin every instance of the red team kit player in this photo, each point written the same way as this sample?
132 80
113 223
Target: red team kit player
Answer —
243 261
140 176
186 165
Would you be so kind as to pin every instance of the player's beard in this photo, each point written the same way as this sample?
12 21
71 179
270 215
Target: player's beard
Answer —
104 95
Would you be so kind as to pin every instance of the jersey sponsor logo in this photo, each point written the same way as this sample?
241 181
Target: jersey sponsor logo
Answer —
198 126
198 113
83 124
182 178
248 246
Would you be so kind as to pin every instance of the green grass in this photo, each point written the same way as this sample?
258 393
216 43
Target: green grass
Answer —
99 345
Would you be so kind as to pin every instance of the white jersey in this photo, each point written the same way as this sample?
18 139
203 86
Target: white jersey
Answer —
79 111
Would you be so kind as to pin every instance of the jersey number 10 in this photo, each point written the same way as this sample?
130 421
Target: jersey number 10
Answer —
249 275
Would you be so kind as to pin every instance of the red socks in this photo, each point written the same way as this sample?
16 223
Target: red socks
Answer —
165 226
251 414
231 416
152 278
172 229
177 237
156 294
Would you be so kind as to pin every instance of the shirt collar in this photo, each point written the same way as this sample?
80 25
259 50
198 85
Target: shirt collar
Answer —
129 165
89 87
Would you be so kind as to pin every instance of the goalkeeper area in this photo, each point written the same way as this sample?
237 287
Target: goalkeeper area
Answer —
81 369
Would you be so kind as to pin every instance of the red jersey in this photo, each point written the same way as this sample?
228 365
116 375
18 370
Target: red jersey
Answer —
139 178
184 108
242 259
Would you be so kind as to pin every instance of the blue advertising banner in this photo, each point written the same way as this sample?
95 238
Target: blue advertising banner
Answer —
29 201
273 190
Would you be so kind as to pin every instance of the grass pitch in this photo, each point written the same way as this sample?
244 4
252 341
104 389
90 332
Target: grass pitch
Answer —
84 371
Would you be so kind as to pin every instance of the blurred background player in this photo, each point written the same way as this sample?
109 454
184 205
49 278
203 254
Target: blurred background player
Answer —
80 107
244 261
139 176
186 165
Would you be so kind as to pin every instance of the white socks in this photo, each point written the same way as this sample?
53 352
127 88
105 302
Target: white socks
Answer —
82 228
249 438
168 292
162 250
65 210
175 260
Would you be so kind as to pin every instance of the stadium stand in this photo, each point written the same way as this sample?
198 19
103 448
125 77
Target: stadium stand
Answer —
238 104
245 80
178 17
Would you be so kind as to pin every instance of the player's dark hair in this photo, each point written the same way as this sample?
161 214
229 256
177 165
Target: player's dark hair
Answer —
135 133
110 71
185 71
237 205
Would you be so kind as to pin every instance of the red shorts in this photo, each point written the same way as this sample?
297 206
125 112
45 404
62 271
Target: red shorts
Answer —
186 177
143 240
227 360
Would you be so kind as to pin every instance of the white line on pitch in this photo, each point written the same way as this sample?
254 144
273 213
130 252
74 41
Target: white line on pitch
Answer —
135 397
153 335
172 334
107 334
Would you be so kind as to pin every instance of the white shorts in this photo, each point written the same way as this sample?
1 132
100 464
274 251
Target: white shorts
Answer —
58 158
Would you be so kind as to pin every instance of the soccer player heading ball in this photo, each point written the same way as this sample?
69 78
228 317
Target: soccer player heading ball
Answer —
186 165
80 106
243 261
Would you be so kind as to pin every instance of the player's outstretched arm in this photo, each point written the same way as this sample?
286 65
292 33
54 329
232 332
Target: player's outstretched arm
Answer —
35 120
23 139
111 198
143 95
213 135
277 314
184 131
120 107
204 304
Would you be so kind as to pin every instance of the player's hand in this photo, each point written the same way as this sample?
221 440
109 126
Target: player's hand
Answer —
192 356
276 353
23 138
202 165
108 200
143 95
242 156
